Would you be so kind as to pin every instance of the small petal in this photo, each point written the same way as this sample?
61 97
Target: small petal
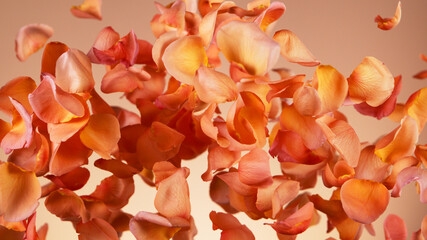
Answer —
114 192
296 223
254 168
207 25
416 107
119 79
116 167
370 166
306 101
106 39
72 180
88 9
390 23
394 228
213 86
270 15
30 39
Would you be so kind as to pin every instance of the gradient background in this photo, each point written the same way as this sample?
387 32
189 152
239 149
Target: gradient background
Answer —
338 33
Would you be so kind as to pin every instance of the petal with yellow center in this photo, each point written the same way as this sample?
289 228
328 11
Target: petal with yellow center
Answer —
88 9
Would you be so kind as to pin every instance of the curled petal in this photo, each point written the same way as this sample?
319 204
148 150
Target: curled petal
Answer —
114 192
296 223
170 18
51 53
72 180
293 50
74 72
254 168
66 205
96 228
213 86
307 101
394 228
106 39
88 9
416 107
370 166
101 134
408 175
286 87
183 57
364 200
370 82
30 39
230 226
247 44
270 15
19 192
18 89
219 158
389 23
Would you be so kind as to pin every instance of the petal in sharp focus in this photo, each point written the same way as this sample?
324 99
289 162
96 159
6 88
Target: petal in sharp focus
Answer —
293 50
370 82
246 44
88 9
51 53
96 228
106 39
409 175
30 39
119 79
390 23
19 192
270 15
72 180
219 158
213 86
364 200
254 168
306 101
370 166
394 228
183 57
416 107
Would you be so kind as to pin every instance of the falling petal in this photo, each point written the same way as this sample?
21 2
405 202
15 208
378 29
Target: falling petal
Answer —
30 39
88 9
254 168
390 23
270 15
394 228
296 223
96 228
114 192
416 107
409 175
370 166
119 79
66 205
306 101
230 226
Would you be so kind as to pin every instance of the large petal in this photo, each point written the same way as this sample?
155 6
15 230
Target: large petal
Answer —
19 192
30 39
207 25
247 44
364 200
370 166
394 228
88 9
96 229
66 205
416 107
389 23
370 82
105 40
293 50
254 168
213 86
120 79
51 53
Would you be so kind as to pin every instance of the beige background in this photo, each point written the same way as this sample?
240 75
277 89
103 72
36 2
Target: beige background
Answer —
339 33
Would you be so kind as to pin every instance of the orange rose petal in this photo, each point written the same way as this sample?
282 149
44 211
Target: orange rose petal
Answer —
42 231
172 198
74 72
409 175
258 4
307 101
72 180
421 75
160 46
18 89
370 166
394 228
219 158
219 193
19 192
101 134
230 226
296 223
11 234
293 50
364 200
265 194
114 192
96 228
145 53
331 86
416 107
165 169
270 15
207 25
106 39
213 86
384 109
254 168
233 181
150 89
183 57
145 225
399 143
66 205
398 166
247 44
342 137
21 134
99 105
420 153
283 194
126 118
370 82
5 128
30 39
119 79
51 53
171 18
286 87
389 23
88 9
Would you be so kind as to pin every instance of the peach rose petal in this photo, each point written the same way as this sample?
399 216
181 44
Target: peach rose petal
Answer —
265 194
88 9
99 105
246 44
233 181
101 134
74 72
370 166
293 50
164 169
119 79
409 175
18 89
207 25
283 194
171 18
19 192
296 223
219 158
399 143
416 107
270 15
286 87
106 39
160 46
254 168
307 101
370 82
30 39
5 127
420 153
230 226
51 53
342 137
213 86
331 86
172 198
390 23
183 57
394 228
364 200
114 192
66 205
96 228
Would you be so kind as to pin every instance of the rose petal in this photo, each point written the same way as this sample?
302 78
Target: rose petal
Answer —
364 200
254 168
66 205
18 89
119 79
51 53
219 158
96 228
19 192
398 166
105 40
306 101
408 175
296 223
171 18
394 228
230 226
88 9
114 192
389 23
233 181
30 39
370 166
421 75
207 25
116 167
73 180
270 15
416 107
213 86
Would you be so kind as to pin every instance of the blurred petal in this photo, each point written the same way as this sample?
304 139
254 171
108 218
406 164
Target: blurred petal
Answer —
370 82
51 53
114 192
283 194
421 75
233 181
247 44
19 192
116 167
219 158
88 9
254 168
101 134
219 193
394 228
364 200
296 223
230 226
270 15
66 205
416 107
106 39
171 18
293 50
389 23
214 87
72 180
306 101
119 79
183 57
18 88
30 39
398 113
96 229
409 175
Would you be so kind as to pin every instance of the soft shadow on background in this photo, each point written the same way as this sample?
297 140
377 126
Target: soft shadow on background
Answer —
338 33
